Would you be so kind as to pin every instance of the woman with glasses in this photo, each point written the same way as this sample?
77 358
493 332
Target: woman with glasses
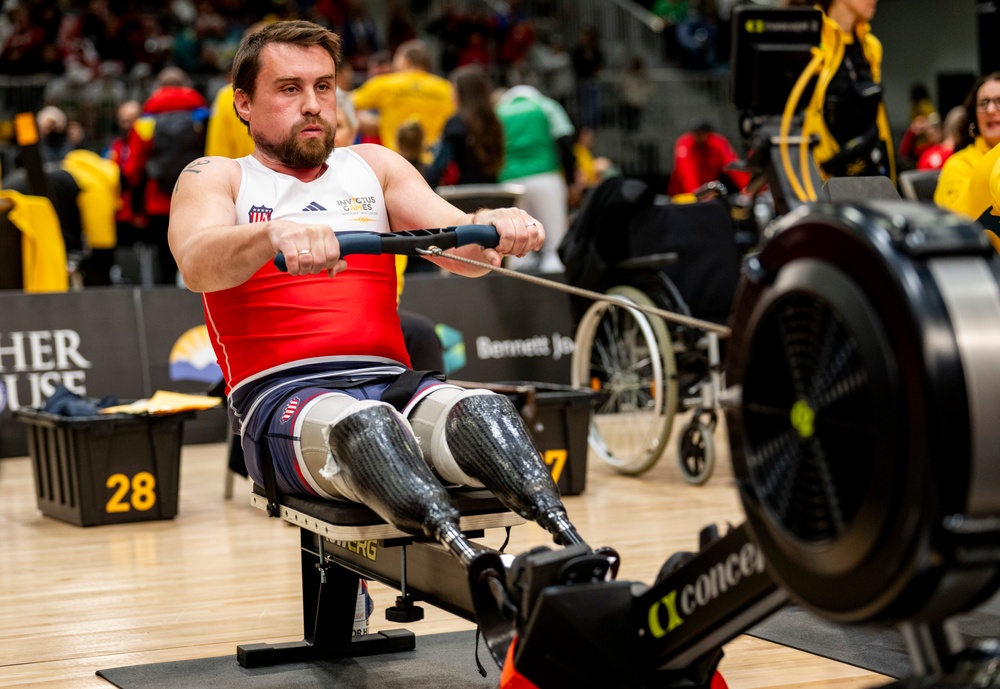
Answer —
846 109
982 112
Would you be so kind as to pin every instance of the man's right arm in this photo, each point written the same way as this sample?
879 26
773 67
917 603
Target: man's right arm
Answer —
213 252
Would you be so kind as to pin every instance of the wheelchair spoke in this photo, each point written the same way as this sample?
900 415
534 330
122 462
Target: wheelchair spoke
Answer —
628 358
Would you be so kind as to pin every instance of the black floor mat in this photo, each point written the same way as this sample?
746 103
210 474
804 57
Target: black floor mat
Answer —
878 649
440 661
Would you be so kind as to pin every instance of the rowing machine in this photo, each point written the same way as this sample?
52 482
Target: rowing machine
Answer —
861 422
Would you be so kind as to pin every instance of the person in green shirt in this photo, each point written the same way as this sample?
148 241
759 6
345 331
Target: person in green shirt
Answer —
538 154
672 12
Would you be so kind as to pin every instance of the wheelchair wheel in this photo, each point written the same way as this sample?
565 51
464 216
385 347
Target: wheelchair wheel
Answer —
696 448
628 357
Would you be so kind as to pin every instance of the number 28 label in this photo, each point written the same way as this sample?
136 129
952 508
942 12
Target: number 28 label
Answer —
137 492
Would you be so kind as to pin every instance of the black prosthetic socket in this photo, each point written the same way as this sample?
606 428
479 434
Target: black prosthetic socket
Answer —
490 443
382 462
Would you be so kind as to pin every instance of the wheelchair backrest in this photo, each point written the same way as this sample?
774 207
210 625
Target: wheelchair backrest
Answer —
708 258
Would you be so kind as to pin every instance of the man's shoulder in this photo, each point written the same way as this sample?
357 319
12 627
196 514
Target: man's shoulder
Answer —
209 168
220 162
374 155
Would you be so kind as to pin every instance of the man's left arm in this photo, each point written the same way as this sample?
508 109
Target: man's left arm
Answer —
413 205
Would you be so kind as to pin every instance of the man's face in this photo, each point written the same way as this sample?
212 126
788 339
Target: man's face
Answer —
293 113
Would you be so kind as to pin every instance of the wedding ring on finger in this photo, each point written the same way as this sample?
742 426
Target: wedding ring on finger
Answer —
529 224
304 252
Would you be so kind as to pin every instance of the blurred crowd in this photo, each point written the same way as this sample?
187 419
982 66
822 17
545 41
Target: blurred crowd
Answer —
504 96
147 89
100 53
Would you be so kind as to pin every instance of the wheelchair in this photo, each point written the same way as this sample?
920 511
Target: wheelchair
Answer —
684 258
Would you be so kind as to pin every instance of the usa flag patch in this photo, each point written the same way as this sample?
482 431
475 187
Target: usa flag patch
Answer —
290 409
260 213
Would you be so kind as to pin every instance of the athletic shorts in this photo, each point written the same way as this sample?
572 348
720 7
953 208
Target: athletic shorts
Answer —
289 407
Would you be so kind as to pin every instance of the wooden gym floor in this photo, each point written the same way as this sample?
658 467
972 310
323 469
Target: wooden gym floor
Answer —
76 600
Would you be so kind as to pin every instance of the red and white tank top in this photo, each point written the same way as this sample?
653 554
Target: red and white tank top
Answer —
275 321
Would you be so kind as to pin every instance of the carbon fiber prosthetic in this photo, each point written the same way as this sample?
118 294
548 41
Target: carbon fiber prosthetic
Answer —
381 459
490 442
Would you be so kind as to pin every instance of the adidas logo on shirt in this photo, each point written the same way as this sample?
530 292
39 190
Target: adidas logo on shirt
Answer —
313 206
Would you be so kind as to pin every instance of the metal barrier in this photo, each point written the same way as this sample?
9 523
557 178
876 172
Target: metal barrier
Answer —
627 28
678 98
21 94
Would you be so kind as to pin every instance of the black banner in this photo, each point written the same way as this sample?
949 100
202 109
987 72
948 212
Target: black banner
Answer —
180 357
497 328
87 341
131 342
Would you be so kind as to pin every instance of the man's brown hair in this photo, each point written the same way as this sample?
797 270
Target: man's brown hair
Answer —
246 63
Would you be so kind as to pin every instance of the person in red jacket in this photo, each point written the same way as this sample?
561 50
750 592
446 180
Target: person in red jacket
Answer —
117 152
168 135
701 156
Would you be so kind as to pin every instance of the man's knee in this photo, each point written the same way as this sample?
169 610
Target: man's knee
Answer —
375 459
319 435
444 413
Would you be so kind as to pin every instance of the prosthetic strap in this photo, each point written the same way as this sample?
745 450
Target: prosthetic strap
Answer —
402 390
270 483
398 394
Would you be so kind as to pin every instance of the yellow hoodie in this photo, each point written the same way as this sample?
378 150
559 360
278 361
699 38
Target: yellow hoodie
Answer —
952 187
99 182
43 252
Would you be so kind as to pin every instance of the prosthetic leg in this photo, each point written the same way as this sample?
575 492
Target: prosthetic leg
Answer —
366 452
382 463
477 438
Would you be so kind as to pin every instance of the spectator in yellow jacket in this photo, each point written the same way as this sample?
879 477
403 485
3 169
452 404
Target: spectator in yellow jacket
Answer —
410 92
226 135
846 109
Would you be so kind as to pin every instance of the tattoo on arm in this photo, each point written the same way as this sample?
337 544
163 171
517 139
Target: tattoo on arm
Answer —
198 163
191 168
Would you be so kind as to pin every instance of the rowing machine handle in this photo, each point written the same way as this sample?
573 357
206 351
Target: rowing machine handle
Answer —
406 243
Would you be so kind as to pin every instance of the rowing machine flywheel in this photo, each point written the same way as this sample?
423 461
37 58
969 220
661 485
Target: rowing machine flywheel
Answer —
864 418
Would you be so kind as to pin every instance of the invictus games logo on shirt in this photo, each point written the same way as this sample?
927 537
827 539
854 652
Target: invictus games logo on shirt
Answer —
357 203
260 213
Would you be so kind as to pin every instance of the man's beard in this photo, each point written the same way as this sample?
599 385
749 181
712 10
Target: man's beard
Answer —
294 153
